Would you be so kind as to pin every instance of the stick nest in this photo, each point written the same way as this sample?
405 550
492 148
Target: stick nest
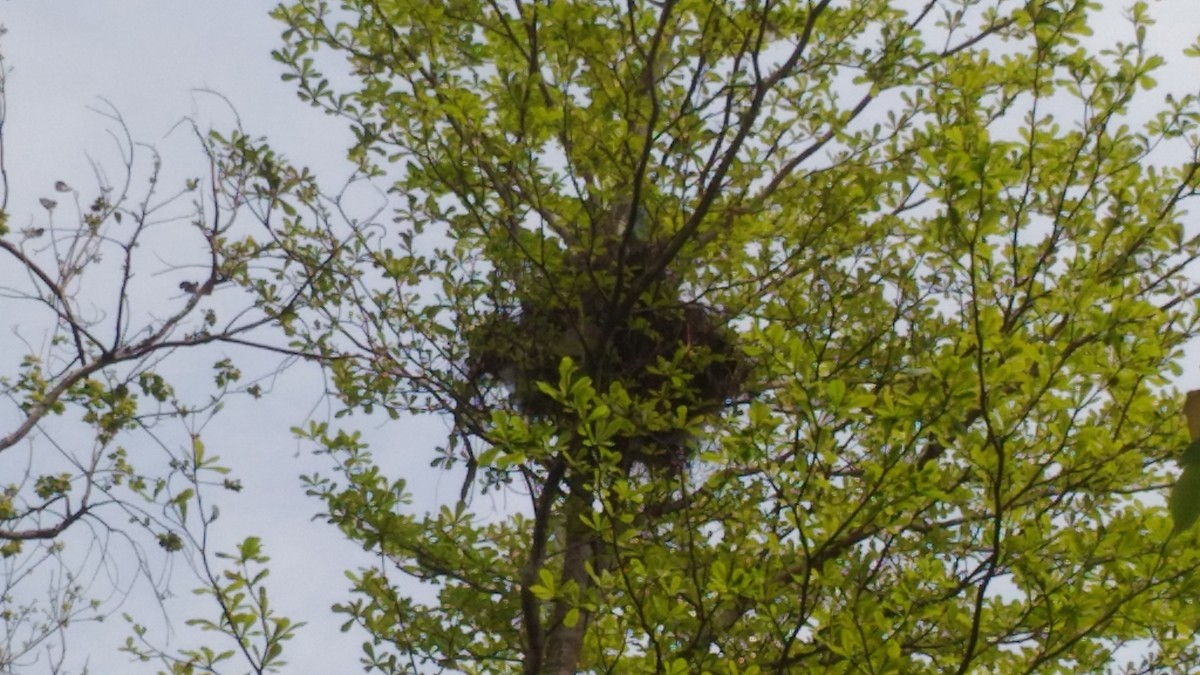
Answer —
670 355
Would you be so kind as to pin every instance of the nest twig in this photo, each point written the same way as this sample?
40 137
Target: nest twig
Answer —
667 353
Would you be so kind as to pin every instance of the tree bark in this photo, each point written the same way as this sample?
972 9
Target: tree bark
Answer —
564 644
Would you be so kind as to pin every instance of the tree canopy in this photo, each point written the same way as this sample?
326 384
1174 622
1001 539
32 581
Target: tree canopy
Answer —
956 281
797 336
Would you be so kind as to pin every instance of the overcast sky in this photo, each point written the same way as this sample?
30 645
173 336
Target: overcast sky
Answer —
147 57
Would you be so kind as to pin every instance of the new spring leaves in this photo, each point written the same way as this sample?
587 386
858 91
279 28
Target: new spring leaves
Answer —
1185 497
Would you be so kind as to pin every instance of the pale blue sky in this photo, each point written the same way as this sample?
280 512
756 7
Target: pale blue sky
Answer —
147 57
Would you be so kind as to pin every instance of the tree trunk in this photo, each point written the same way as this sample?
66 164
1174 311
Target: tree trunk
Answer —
564 644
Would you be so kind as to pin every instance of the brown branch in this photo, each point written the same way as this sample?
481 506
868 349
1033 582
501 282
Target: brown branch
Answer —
530 608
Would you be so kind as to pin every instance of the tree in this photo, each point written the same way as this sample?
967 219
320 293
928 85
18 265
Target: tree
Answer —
811 336
102 446
787 337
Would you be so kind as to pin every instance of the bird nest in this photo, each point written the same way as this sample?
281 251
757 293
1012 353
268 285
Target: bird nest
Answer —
676 359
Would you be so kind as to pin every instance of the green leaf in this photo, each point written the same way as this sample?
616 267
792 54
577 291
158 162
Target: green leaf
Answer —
197 450
1191 454
170 541
1191 410
837 392
1185 498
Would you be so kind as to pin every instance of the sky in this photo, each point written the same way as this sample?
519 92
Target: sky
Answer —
148 58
